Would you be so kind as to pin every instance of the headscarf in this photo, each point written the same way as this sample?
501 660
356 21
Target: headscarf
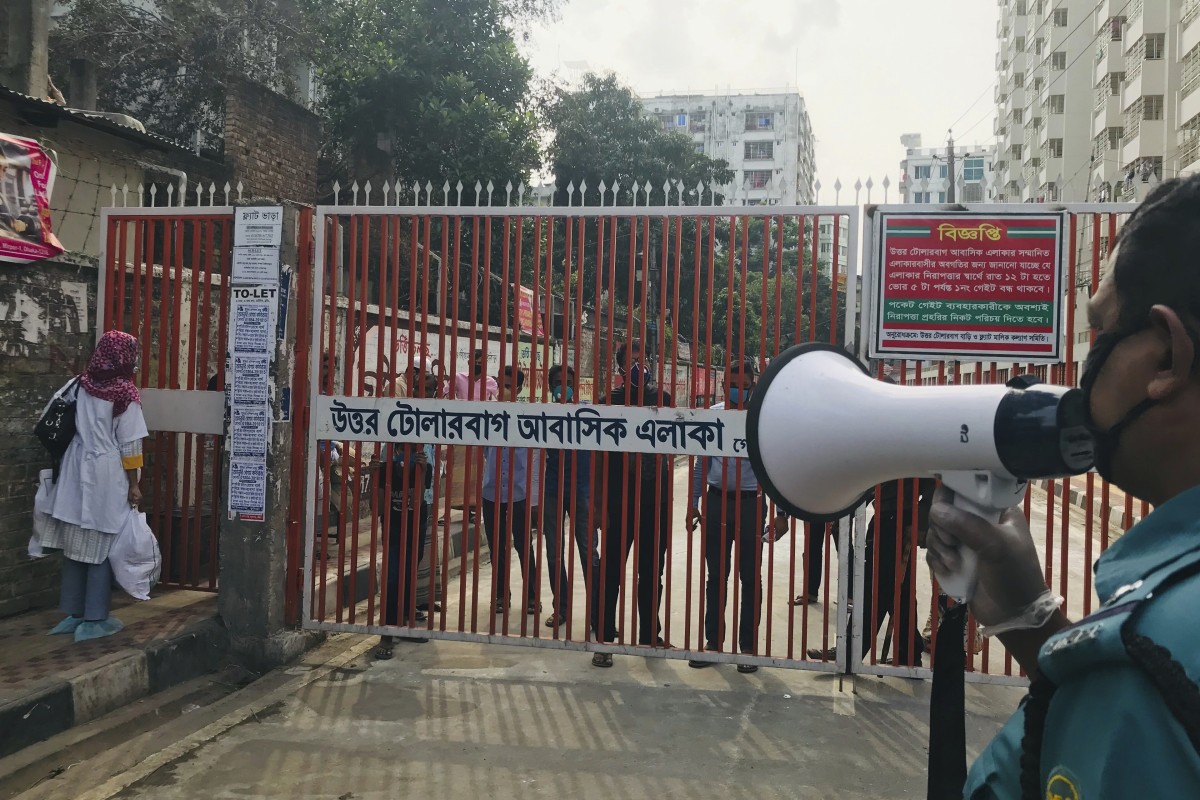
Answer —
109 374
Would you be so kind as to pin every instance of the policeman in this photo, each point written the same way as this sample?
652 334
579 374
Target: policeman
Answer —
1114 709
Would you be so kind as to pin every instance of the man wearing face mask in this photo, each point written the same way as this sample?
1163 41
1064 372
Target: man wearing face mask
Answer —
568 492
734 510
1114 709
637 509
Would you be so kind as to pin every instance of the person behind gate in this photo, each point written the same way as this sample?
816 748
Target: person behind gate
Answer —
404 486
511 485
568 484
637 509
733 511
96 487
1113 710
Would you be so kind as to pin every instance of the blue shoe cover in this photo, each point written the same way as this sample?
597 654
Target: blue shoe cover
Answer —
68 625
98 630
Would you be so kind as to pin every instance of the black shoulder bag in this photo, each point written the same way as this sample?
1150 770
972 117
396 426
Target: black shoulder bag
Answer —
56 428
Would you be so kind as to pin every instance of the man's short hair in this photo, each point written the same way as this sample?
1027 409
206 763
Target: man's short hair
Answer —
745 366
1157 262
557 370
514 372
635 344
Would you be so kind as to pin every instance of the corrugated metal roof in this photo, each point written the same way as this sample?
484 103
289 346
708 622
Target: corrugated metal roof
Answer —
93 120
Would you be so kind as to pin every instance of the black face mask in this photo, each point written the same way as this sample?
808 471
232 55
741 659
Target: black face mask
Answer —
1107 441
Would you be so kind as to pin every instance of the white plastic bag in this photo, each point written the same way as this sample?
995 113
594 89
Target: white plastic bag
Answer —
41 515
135 558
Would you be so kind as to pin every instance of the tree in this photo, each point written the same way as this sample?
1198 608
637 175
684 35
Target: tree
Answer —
426 90
165 62
602 134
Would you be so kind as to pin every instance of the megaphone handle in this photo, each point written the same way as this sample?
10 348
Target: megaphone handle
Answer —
961 583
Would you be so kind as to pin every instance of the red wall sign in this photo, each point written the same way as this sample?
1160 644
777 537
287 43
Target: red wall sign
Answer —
968 286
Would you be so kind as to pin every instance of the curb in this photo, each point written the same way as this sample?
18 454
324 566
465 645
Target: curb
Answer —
111 683
1078 498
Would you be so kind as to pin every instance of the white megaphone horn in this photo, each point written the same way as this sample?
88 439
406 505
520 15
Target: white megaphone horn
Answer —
821 433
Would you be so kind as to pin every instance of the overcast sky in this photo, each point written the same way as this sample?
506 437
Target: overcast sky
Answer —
870 70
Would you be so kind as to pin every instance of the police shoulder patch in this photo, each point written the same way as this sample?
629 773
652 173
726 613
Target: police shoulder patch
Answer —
1062 785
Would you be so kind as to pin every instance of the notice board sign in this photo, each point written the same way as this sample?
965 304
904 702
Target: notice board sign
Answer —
967 286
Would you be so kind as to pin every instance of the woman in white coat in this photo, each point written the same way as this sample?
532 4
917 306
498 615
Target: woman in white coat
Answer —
97 486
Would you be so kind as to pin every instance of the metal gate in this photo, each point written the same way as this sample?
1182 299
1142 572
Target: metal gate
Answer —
164 277
692 290
701 289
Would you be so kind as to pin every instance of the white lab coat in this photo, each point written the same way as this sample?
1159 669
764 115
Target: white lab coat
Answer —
92 490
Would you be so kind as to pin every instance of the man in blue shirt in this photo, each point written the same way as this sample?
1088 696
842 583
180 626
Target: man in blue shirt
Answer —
1113 707
733 511
511 485
569 493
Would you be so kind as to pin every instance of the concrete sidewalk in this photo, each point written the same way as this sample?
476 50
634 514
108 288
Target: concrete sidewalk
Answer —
49 684
453 720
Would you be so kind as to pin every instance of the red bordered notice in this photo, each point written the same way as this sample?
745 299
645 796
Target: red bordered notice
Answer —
968 286
26 181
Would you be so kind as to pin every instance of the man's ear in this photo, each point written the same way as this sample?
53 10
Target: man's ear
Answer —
1174 370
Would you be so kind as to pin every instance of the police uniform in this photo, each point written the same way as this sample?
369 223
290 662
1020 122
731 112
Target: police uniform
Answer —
1123 719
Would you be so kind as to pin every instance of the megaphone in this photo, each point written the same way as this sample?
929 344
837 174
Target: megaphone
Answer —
820 433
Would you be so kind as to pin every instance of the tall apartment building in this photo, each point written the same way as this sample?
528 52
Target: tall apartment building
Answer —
766 138
1129 67
925 175
1044 97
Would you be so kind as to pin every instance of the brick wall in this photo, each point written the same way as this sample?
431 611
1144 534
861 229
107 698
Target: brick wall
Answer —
45 337
271 143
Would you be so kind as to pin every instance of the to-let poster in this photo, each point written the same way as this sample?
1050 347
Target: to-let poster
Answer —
251 380
248 489
250 427
254 310
255 264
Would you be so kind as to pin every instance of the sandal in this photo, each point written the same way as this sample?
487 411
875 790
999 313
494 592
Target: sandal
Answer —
602 660
384 651
804 599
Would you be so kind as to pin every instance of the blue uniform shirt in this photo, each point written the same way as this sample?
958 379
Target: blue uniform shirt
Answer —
1108 732
525 469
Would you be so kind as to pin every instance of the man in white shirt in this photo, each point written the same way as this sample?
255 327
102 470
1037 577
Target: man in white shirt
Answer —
734 509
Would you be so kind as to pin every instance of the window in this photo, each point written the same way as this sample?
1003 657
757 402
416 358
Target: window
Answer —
760 121
672 122
922 172
1039 47
760 151
1018 115
1019 43
757 178
942 197
1154 107
1018 152
1155 43
1058 103
1115 79
1060 18
942 171
698 123
699 147
1116 28
972 193
921 197
1022 8
973 169
1019 80
1056 148
1037 85
1058 60
1114 137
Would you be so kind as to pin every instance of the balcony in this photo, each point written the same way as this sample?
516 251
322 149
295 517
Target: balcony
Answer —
1190 36
1147 143
1108 116
1189 107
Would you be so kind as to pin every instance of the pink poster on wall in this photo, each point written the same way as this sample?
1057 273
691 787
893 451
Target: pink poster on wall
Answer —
26 181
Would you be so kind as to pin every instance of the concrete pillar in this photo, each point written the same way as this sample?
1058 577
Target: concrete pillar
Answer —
27 62
253 561
82 92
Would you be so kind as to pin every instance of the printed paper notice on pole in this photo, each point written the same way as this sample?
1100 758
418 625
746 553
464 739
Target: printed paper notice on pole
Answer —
248 489
254 310
970 286
251 379
256 264
258 226
250 428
